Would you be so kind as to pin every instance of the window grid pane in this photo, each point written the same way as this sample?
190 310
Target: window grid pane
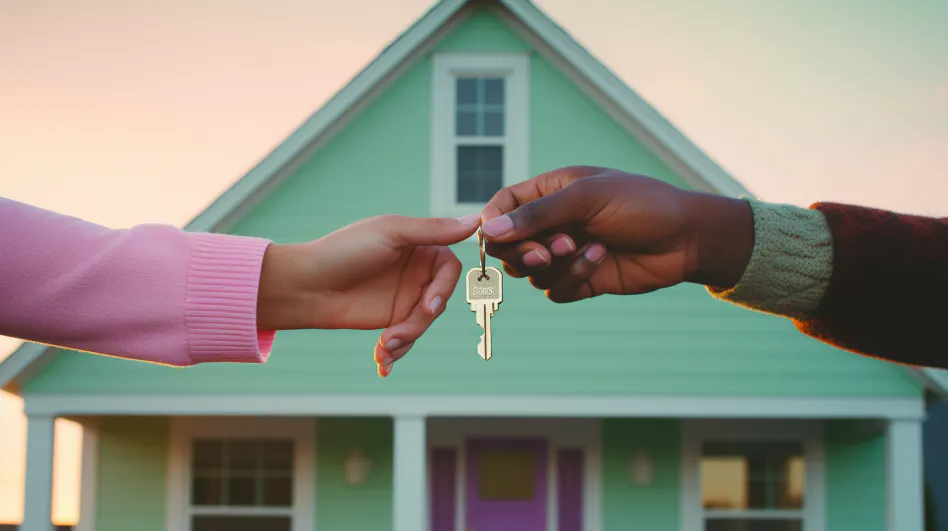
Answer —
480 173
506 475
245 473
757 476
479 106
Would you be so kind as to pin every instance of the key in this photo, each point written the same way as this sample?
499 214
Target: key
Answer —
485 293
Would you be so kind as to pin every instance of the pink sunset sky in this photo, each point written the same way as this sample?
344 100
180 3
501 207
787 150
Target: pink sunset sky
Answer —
132 112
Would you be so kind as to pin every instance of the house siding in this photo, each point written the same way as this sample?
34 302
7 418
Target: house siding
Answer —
344 507
856 495
670 343
656 507
131 476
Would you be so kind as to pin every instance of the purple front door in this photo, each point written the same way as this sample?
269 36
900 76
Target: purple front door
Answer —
506 485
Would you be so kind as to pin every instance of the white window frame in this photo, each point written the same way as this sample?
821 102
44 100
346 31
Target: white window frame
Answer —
178 485
808 433
446 68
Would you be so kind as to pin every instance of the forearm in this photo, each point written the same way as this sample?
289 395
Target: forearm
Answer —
152 293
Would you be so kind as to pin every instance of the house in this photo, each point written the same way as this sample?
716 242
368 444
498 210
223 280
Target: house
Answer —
666 411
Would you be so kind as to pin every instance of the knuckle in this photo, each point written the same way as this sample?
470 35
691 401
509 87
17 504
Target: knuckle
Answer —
527 214
557 296
386 221
513 272
539 282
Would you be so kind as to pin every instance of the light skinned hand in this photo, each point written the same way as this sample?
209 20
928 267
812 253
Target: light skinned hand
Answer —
388 272
583 231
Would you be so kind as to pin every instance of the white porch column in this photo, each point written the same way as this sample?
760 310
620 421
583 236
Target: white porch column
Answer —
411 481
906 491
89 478
38 496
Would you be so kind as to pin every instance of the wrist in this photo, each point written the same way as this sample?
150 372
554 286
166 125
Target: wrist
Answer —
721 239
284 301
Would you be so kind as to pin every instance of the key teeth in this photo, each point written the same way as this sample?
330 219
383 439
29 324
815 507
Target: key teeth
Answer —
481 349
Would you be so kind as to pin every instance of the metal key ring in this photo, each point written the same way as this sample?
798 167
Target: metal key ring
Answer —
483 247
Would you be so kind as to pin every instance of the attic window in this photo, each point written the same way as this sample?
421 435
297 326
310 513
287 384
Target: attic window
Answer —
478 130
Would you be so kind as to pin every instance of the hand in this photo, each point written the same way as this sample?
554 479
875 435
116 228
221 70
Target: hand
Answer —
579 232
388 272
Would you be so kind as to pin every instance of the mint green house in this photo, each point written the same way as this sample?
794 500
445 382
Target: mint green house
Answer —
665 412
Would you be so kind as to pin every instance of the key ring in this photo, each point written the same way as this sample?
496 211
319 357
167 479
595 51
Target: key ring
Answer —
483 247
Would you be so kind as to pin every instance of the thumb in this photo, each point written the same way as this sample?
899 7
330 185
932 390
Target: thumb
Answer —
407 231
557 209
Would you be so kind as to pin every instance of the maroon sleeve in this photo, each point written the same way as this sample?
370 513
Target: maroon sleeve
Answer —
888 294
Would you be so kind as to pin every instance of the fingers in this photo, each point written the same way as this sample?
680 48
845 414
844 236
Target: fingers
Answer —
574 283
510 198
525 258
559 209
385 358
398 339
408 231
446 271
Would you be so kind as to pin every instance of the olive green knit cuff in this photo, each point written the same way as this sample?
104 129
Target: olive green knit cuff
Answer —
791 264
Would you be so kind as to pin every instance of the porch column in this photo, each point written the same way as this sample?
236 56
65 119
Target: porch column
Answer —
906 491
410 469
38 495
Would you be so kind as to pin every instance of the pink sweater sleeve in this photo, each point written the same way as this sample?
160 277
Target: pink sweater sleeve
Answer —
152 293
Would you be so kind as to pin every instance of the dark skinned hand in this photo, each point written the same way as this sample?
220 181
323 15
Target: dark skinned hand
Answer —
582 231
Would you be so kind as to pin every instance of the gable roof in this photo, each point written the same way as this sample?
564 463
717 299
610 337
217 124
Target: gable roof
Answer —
704 173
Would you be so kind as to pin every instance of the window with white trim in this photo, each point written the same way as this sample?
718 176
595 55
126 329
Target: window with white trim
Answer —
753 486
241 474
479 129
241 484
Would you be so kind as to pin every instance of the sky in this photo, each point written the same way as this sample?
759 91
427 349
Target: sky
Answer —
140 112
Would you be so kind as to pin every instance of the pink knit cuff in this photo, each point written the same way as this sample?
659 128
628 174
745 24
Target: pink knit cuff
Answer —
221 305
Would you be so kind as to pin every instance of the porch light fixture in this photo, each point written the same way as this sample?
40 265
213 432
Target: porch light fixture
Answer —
641 468
357 466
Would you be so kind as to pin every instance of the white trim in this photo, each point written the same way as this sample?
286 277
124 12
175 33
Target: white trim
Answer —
38 491
446 67
491 405
89 481
807 432
904 470
560 433
410 475
185 429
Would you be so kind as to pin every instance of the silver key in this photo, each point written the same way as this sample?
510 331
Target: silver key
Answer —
485 292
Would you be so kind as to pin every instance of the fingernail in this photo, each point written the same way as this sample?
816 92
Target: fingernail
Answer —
385 359
472 219
595 254
562 246
385 370
435 304
534 258
393 344
498 226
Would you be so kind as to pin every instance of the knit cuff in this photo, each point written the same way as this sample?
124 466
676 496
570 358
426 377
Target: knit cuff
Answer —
791 264
221 304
